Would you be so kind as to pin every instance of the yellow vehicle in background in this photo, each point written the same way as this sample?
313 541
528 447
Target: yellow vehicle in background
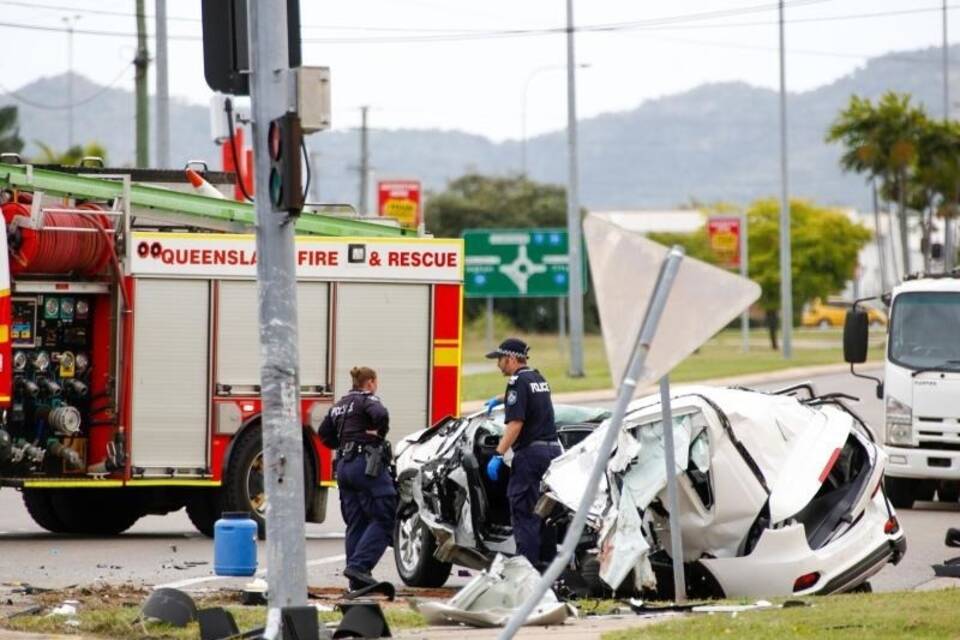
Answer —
833 312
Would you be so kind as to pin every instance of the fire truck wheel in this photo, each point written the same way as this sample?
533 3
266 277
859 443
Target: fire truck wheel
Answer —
40 508
101 512
203 509
243 485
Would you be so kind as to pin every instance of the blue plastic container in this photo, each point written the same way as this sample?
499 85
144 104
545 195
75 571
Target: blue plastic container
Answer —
235 544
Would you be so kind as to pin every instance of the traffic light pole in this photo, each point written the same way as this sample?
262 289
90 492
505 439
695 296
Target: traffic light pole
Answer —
271 93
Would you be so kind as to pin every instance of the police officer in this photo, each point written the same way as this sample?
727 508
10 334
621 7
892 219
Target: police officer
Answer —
532 434
356 426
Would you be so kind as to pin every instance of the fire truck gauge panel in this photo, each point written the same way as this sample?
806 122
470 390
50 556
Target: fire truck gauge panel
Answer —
51 309
41 360
19 361
24 322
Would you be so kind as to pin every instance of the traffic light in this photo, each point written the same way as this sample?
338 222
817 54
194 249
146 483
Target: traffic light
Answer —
284 139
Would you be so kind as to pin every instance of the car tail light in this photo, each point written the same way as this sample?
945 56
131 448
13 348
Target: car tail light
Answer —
891 526
806 581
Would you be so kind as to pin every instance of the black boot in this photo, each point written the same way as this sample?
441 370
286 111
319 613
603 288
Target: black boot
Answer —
358 578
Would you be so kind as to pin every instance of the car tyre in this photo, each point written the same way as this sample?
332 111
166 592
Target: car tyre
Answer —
413 549
823 324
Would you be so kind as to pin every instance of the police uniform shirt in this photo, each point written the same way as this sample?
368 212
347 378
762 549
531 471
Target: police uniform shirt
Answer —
528 399
359 412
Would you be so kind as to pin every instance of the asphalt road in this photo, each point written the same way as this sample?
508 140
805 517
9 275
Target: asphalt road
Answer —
165 550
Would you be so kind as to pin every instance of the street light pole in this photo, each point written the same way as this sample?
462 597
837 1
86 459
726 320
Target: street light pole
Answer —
786 283
573 211
163 88
949 250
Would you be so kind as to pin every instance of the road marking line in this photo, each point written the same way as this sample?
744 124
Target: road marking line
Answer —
187 582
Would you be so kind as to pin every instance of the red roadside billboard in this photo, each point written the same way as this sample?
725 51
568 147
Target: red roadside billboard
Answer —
723 233
400 199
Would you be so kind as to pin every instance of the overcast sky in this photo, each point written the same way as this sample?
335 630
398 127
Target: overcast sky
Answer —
456 64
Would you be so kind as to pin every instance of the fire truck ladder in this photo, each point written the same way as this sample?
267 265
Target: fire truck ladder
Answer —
189 209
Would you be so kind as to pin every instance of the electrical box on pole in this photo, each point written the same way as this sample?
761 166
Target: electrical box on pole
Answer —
285 138
226 57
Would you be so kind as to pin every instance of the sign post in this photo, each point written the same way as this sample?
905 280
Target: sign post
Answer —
400 200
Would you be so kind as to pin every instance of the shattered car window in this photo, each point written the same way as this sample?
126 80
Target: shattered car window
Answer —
569 414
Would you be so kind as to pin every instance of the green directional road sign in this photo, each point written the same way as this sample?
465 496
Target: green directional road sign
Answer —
515 263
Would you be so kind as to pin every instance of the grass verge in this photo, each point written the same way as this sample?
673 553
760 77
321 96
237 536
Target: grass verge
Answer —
118 622
722 356
877 616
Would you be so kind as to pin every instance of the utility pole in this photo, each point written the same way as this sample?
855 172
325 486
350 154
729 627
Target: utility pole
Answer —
364 162
163 88
573 211
70 22
949 248
786 282
140 63
272 95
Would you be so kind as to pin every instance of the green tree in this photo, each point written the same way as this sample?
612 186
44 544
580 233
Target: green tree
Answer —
937 191
882 142
10 141
476 201
824 246
71 156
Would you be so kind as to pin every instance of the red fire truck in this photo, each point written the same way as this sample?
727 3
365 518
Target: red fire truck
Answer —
129 348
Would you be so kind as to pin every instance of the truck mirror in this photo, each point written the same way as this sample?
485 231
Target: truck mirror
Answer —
856 329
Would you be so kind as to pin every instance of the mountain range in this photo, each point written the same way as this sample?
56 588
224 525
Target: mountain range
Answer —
714 142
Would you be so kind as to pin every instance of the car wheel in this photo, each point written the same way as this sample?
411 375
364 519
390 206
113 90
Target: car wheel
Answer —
948 492
824 324
413 549
875 324
243 483
40 507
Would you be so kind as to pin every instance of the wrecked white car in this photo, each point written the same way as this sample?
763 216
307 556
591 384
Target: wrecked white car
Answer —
450 512
778 494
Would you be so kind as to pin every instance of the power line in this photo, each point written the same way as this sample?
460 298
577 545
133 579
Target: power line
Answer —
63 107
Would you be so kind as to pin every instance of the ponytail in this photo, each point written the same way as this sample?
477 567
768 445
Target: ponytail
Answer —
361 375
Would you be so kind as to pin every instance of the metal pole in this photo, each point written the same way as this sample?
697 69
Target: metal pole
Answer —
163 88
490 339
745 273
573 211
271 96
364 162
140 62
561 320
315 182
876 224
949 250
70 22
786 283
641 347
670 456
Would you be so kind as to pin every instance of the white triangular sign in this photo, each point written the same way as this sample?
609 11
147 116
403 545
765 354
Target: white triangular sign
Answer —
624 266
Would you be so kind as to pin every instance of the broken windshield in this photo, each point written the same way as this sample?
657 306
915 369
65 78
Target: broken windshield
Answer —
923 330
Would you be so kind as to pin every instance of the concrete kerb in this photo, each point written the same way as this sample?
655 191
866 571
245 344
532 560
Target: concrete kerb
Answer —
609 395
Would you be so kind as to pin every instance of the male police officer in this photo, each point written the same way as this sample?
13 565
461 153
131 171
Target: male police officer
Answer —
532 433
356 426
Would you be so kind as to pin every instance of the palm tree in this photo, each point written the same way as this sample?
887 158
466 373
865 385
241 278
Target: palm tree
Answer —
71 156
881 141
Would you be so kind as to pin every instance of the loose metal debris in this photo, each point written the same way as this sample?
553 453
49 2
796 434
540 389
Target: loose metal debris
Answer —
491 598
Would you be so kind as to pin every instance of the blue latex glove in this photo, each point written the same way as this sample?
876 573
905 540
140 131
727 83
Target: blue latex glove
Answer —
492 403
493 468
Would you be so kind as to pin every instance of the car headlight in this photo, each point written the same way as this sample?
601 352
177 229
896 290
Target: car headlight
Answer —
899 422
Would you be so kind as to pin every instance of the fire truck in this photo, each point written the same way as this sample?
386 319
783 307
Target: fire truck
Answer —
129 343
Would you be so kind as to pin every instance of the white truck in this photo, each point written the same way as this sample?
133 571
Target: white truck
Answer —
920 388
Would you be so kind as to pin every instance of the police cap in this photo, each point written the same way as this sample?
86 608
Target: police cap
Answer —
511 347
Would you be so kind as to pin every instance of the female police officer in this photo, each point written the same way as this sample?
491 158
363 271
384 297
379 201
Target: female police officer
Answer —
356 426
532 433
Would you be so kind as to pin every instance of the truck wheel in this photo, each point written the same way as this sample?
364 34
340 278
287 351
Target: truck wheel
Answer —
203 509
243 487
948 491
413 549
40 507
903 492
99 512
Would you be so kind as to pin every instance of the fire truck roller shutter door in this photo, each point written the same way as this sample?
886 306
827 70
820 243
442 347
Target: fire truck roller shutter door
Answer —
387 327
170 369
238 357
